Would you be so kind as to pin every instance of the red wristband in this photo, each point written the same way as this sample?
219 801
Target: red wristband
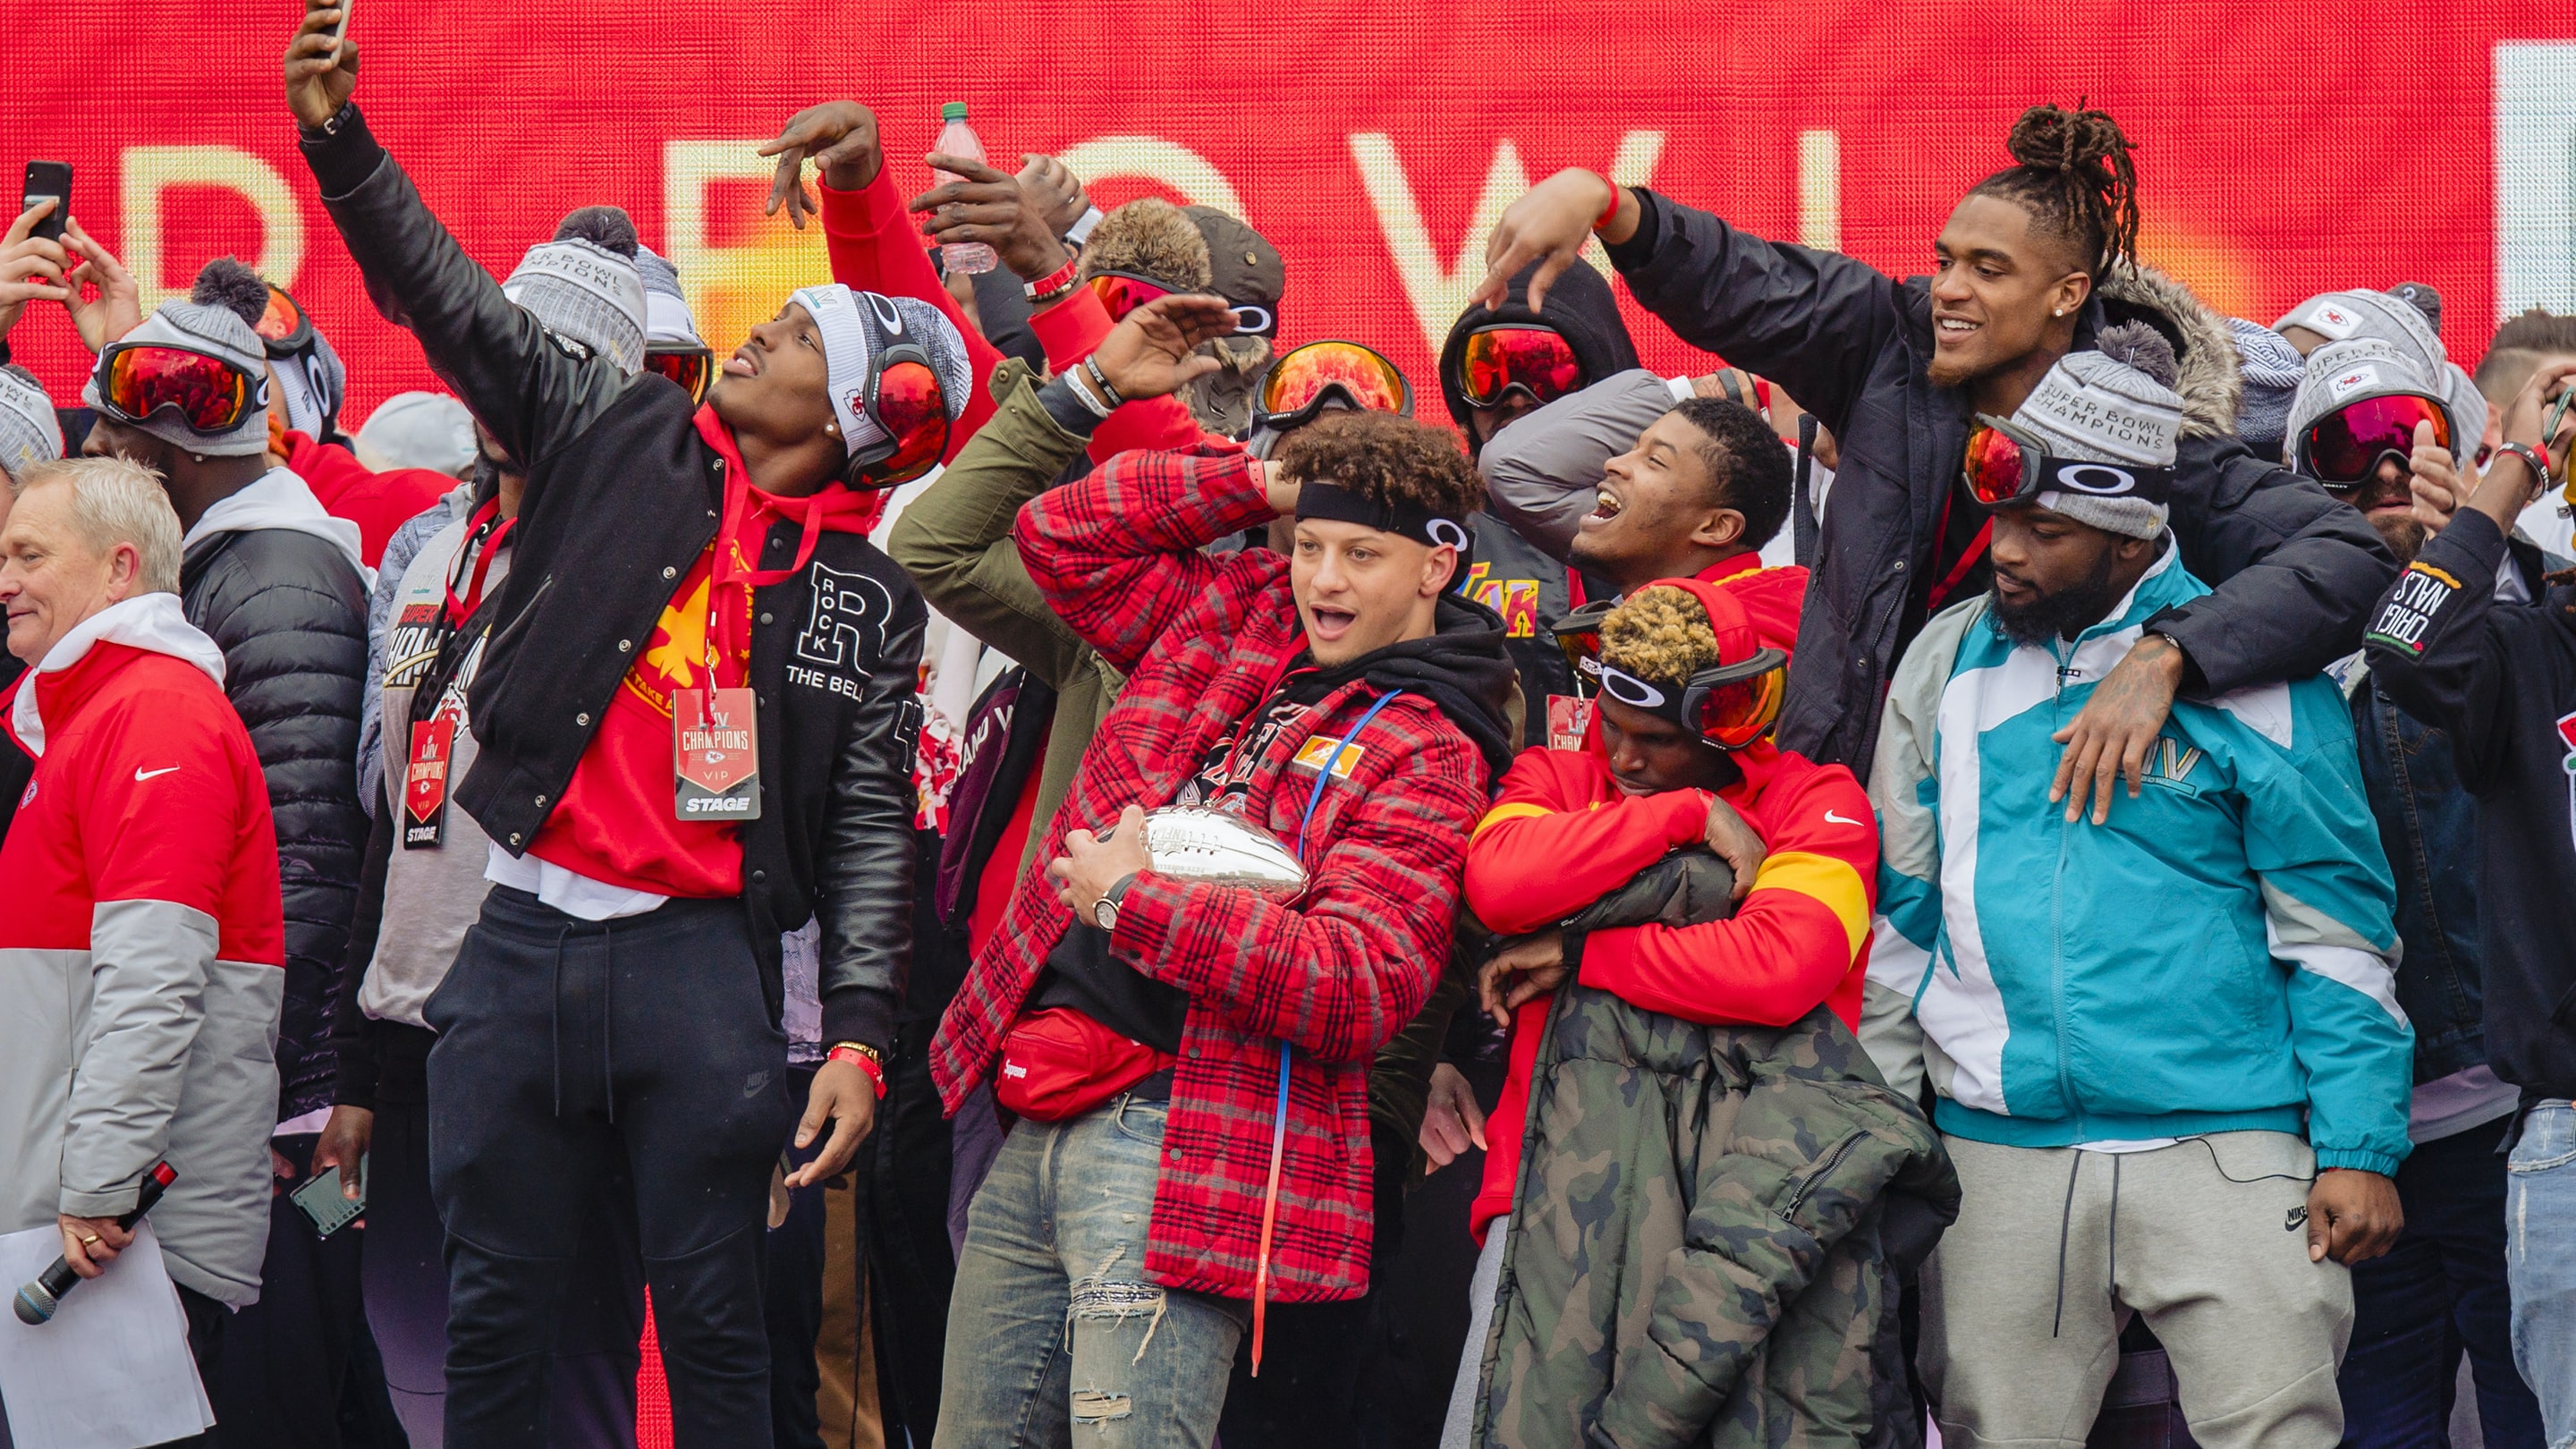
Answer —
1056 283
866 1063
1610 213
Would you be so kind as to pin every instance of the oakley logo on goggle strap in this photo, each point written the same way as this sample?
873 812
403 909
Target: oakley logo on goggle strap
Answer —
2096 478
887 316
1629 689
1250 318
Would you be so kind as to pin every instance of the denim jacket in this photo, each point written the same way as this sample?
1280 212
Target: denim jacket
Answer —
2428 824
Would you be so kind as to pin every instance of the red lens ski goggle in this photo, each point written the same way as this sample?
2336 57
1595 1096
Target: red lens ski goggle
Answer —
909 404
1730 705
1500 360
2007 464
691 368
2345 447
1300 383
210 395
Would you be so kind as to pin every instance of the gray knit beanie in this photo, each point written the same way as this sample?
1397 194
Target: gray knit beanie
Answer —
2114 405
2346 316
667 322
29 431
2271 368
2343 373
215 321
585 288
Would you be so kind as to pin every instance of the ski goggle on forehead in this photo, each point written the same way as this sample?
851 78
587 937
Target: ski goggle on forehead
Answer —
283 328
1536 362
2344 448
2007 464
690 368
1304 380
911 407
1123 292
211 396
1729 706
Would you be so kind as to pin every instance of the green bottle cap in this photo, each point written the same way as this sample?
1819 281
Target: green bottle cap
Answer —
953 111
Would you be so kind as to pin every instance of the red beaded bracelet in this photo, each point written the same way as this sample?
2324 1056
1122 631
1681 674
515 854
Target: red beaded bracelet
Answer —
1056 283
866 1061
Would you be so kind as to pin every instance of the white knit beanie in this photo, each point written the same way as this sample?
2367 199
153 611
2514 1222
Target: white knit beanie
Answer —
667 322
855 325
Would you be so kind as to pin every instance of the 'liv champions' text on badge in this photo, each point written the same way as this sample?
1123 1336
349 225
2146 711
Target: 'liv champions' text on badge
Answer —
716 753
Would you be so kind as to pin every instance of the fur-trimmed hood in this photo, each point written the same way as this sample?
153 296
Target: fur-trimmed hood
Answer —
2209 380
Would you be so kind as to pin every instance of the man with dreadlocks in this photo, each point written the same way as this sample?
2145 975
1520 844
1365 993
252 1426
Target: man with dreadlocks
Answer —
2117 1154
2037 259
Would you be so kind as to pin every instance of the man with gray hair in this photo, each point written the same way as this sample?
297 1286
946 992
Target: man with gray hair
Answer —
2115 1153
29 434
142 947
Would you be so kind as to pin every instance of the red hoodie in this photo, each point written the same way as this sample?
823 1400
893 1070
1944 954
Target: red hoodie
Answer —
378 503
1561 834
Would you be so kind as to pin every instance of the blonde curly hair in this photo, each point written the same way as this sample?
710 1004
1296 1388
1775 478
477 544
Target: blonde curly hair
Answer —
1659 634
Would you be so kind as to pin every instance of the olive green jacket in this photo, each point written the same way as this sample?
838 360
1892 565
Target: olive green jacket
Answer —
955 541
1700 1251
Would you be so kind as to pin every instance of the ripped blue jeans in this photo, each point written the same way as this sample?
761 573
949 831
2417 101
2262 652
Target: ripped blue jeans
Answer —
1055 1336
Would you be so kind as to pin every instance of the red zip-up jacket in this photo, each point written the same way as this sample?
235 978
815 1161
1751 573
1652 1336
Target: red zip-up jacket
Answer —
1336 974
876 246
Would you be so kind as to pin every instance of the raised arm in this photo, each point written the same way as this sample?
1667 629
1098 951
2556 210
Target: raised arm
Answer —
1117 554
1811 321
532 396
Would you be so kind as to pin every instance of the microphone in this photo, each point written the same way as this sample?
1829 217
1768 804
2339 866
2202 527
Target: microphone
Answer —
38 1301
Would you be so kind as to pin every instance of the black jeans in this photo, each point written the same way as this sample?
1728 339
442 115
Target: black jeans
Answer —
571 1052
2439 1292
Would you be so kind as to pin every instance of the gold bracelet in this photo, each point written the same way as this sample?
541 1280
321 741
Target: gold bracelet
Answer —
862 1048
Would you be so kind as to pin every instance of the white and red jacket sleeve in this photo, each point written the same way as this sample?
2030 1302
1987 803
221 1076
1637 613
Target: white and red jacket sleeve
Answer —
161 814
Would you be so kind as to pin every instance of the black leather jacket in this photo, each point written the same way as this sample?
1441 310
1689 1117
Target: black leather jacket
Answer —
622 497
290 613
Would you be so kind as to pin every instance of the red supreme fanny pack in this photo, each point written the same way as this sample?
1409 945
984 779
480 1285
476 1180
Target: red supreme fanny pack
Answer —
1059 1063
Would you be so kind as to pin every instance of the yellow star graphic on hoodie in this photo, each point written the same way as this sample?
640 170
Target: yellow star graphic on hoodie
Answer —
681 646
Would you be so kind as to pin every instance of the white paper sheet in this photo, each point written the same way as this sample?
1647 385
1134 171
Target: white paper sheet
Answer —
111 1371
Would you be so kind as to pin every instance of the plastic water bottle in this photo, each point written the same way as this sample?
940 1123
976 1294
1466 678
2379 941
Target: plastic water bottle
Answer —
956 138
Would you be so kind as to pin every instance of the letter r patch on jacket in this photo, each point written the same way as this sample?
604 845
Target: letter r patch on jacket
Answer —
2411 608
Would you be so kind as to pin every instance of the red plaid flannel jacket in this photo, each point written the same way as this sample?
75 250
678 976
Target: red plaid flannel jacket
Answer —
1335 976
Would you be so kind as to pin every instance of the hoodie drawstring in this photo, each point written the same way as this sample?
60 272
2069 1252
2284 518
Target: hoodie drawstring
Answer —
554 1017
2065 1219
608 1016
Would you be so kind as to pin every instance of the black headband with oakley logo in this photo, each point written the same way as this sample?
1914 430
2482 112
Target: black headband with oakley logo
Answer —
1334 503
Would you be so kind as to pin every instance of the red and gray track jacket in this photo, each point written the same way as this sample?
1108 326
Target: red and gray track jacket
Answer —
141 953
1335 974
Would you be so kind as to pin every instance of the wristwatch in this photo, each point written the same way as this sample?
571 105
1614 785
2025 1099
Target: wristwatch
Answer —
1104 913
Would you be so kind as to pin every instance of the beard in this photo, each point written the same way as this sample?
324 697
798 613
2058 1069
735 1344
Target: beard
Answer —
2402 532
2064 614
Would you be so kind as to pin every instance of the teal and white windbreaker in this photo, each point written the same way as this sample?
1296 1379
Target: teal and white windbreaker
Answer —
2217 957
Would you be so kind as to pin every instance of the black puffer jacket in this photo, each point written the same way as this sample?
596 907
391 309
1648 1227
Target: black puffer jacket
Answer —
290 613
623 495
2294 571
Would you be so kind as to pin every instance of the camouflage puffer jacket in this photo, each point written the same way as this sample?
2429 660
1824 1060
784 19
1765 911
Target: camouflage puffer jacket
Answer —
1703 1250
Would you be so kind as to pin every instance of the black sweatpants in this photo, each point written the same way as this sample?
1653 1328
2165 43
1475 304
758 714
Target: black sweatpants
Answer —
568 1051
405 1273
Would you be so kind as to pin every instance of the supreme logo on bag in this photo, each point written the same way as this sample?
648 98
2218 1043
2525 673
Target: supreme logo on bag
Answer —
716 755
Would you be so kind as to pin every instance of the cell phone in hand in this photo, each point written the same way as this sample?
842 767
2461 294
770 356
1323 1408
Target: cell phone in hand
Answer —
319 1199
44 179
341 30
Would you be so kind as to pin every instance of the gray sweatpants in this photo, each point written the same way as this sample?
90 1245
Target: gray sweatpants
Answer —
2201 1237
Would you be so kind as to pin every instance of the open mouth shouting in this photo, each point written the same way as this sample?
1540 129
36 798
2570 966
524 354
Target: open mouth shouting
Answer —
1606 505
